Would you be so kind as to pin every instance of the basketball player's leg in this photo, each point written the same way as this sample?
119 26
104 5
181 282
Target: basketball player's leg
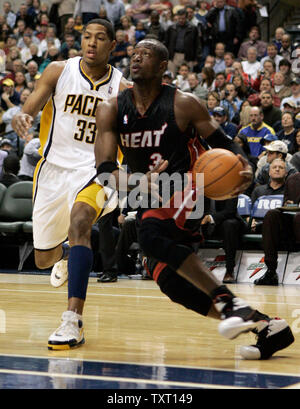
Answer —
179 290
83 215
236 315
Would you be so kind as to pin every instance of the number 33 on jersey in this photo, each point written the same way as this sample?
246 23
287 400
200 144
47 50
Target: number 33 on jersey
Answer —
68 125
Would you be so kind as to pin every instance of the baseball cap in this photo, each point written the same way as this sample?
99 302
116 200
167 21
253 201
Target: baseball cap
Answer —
9 82
219 111
5 142
277 146
295 80
168 74
269 138
290 103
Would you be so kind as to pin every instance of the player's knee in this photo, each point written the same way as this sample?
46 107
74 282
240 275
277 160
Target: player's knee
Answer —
44 259
80 227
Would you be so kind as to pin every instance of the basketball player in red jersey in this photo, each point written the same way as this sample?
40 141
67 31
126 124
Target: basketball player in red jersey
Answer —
157 128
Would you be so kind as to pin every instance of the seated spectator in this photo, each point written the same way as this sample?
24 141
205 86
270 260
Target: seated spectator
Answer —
219 65
272 54
10 113
245 110
270 112
280 90
125 62
275 150
274 186
32 69
237 69
221 116
128 28
220 82
70 29
279 32
11 167
208 77
181 80
224 222
232 103
254 41
286 49
256 130
285 67
9 96
295 97
34 52
168 78
288 132
280 231
140 31
251 65
29 159
69 44
268 72
229 60
50 35
195 87
209 61
243 91
213 100
20 82
265 141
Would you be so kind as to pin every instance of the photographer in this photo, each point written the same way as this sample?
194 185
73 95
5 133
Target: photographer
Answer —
231 102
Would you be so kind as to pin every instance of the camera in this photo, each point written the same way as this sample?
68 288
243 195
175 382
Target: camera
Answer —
227 93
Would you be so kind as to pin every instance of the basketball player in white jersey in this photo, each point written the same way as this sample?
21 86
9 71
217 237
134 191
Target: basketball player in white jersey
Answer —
64 191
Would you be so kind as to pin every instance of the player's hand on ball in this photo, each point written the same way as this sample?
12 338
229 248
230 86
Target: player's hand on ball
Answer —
21 123
247 174
148 181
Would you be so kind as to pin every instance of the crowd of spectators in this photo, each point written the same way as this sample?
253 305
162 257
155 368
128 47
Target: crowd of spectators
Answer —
250 86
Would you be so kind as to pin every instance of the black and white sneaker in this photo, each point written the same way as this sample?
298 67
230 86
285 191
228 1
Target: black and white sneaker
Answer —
275 336
238 317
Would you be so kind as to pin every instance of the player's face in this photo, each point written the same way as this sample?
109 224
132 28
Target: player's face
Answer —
96 45
144 63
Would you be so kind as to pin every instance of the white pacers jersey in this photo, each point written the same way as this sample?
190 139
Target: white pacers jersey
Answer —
68 124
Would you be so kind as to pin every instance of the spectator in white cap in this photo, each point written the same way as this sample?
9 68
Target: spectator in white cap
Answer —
275 150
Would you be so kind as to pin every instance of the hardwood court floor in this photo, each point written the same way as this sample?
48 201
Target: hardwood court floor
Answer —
136 336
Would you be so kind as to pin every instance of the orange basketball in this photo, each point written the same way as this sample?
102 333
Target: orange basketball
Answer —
221 173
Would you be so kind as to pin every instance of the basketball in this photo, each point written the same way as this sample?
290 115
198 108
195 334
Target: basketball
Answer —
221 173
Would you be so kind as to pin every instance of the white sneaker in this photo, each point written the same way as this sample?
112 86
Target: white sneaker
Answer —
69 334
59 273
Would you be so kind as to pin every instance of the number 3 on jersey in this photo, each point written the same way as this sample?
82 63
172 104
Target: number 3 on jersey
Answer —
87 131
156 158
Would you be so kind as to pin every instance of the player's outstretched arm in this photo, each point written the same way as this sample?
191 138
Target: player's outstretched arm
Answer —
45 86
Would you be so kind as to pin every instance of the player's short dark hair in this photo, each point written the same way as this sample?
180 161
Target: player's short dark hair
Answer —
160 49
103 22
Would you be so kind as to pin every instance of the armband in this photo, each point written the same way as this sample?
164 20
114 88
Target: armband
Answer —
107 167
218 139
103 170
